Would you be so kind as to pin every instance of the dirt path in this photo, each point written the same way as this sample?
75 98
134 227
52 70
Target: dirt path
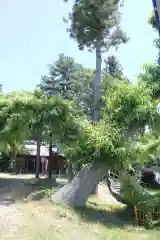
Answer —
11 217
10 220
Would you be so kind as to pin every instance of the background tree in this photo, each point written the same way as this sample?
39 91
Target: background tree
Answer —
14 125
113 67
152 21
60 76
20 111
71 80
68 79
151 72
151 76
1 88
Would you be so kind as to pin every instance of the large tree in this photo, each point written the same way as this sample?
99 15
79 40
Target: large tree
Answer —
108 143
96 25
95 148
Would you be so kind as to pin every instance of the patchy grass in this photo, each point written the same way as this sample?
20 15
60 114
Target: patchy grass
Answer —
42 220
15 188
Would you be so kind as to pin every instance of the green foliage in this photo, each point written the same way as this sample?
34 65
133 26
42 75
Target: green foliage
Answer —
19 111
153 23
100 143
96 25
104 142
126 106
151 76
61 76
113 67
95 20
148 205
14 124
71 80
144 149
79 84
152 20
129 105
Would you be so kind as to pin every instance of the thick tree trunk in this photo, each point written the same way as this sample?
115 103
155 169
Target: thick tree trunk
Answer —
38 149
77 191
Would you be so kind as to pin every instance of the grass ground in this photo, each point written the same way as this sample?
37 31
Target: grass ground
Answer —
43 220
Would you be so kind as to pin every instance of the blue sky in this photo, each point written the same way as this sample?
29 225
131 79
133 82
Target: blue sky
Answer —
33 34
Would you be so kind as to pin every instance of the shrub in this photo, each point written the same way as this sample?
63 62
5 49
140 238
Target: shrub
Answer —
147 205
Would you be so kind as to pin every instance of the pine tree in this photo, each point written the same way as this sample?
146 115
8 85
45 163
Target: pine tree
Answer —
113 67
60 76
95 24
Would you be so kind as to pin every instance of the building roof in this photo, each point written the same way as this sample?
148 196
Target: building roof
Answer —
30 148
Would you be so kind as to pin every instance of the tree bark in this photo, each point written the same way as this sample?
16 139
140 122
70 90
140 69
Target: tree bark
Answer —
50 158
96 93
97 83
76 192
38 149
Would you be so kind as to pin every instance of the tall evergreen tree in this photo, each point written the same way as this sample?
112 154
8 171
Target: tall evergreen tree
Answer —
60 76
113 67
71 80
95 24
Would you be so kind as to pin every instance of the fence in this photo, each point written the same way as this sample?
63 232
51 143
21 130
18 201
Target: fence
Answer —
140 217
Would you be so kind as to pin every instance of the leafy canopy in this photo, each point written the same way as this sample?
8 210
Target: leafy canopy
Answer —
104 142
92 20
151 76
107 142
19 110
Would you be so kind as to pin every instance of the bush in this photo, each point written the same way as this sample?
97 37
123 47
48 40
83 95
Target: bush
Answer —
147 206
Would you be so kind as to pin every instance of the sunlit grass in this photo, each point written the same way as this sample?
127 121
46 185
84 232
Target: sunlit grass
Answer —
43 220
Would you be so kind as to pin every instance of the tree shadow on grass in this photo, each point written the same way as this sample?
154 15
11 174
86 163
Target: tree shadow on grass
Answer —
13 189
109 217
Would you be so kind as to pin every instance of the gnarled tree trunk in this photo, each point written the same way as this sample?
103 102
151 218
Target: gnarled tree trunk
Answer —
77 191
